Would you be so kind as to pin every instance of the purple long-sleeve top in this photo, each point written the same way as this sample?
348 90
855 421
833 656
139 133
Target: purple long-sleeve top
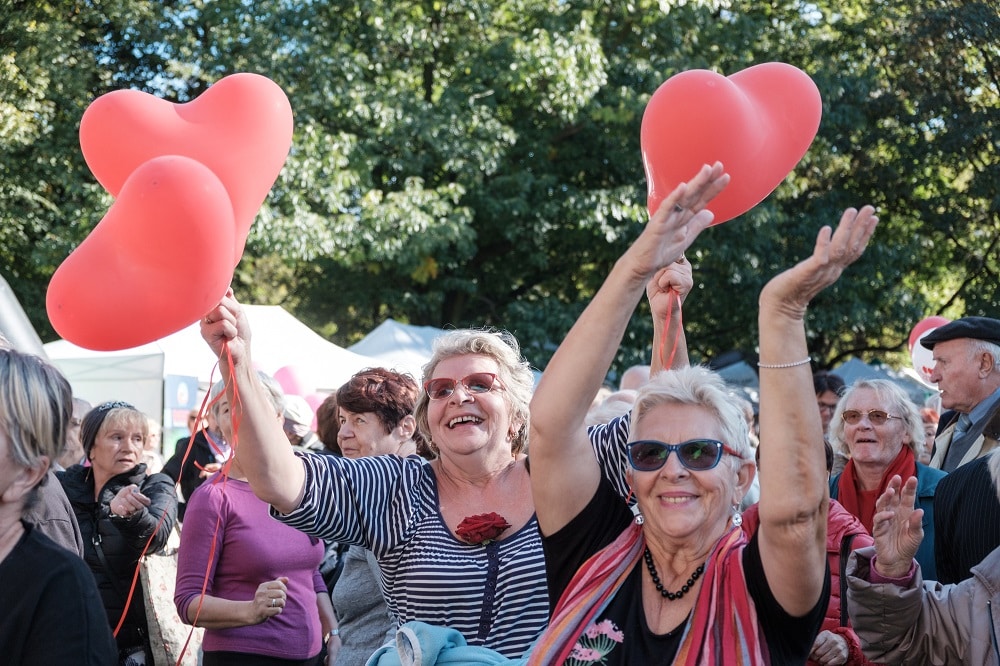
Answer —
251 548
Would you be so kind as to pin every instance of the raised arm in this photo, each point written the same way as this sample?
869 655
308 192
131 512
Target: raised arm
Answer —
564 471
793 487
274 473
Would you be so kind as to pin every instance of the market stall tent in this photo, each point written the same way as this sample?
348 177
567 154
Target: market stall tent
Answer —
400 347
140 374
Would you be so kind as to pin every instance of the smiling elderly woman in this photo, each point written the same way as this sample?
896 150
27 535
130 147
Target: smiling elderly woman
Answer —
881 428
679 583
409 512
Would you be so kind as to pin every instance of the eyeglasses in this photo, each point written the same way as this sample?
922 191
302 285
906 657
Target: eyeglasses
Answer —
875 416
697 455
477 382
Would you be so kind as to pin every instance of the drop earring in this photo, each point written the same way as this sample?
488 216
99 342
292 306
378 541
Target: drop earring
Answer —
636 511
737 516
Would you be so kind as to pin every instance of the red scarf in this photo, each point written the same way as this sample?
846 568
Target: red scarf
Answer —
862 502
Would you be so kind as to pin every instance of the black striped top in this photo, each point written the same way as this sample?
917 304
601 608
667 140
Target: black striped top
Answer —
494 595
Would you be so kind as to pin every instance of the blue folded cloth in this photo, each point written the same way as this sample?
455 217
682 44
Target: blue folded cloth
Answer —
420 644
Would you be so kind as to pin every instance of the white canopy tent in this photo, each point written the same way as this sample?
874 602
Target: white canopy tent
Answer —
138 374
400 347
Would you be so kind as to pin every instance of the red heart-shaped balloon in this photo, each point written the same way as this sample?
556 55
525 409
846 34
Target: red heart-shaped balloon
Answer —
159 260
758 122
240 128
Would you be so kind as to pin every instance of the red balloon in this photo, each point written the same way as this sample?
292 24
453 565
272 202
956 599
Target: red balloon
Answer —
159 260
758 122
921 357
240 128
925 326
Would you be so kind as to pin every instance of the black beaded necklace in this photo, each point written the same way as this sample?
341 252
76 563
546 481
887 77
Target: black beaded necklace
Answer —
685 588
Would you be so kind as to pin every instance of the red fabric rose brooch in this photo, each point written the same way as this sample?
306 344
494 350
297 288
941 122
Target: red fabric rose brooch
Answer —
482 528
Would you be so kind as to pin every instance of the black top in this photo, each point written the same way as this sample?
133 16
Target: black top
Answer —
52 613
789 639
966 520
121 540
190 475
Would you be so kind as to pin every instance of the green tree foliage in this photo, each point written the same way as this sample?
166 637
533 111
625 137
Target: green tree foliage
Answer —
477 162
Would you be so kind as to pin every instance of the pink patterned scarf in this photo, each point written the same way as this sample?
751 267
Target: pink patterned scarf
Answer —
723 628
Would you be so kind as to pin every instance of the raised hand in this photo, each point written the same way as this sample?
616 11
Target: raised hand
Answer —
834 251
897 527
670 283
225 324
679 220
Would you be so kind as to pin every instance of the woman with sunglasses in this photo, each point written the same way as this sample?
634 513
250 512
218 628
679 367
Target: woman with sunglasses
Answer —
881 428
455 538
678 582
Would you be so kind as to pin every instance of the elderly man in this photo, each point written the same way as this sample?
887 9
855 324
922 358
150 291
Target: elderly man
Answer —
967 373
966 508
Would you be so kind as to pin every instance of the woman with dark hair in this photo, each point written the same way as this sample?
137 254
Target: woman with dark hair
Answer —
52 612
328 424
375 415
123 513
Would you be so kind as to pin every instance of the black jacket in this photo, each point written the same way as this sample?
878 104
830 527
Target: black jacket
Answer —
121 539
189 475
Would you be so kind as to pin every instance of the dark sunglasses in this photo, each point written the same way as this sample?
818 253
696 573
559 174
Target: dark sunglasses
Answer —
477 382
697 455
875 416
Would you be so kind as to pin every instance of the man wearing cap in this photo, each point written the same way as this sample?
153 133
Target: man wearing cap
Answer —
298 424
967 374
966 509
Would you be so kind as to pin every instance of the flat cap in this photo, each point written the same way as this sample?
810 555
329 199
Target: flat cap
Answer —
297 410
975 328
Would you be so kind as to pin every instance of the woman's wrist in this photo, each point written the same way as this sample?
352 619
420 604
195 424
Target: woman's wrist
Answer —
899 573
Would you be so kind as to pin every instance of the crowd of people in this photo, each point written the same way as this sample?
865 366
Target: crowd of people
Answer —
474 517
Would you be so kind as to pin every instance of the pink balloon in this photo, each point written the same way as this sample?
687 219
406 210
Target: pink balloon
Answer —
240 128
314 400
921 357
157 262
758 122
292 381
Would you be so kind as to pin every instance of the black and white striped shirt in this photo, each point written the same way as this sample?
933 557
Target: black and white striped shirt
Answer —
494 595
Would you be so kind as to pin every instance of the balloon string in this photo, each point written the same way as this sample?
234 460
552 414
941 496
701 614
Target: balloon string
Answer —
668 362
135 575
159 523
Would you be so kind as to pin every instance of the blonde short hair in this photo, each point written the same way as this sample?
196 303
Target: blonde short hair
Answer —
514 373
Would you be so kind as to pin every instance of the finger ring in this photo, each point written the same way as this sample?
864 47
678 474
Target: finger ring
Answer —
272 603
207 320
680 259
679 208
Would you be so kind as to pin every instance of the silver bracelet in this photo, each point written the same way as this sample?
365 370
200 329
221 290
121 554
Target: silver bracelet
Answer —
776 366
